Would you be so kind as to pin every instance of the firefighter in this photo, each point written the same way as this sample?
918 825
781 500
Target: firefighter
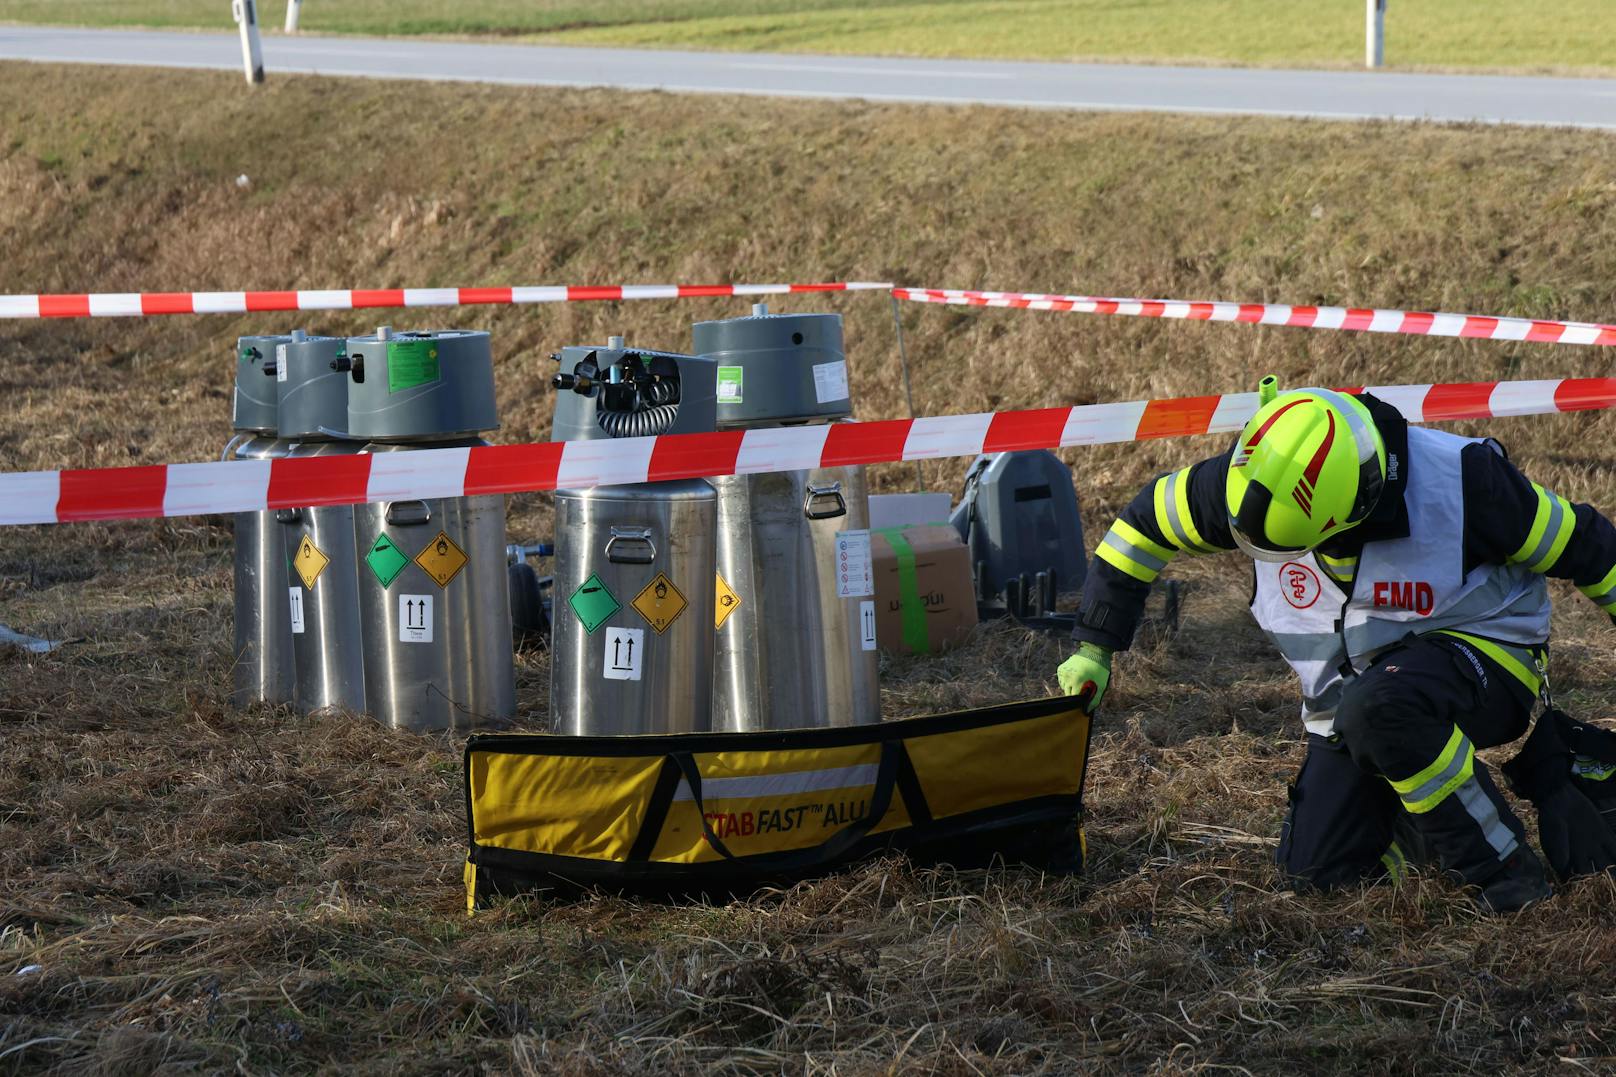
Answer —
1400 572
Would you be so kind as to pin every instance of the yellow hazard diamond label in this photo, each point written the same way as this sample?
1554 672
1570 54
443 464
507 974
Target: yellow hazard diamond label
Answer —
660 603
309 562
726 602
442 559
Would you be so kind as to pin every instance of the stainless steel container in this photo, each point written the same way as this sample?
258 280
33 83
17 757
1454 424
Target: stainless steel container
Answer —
263 670
791 651
434 601
318 551
633 617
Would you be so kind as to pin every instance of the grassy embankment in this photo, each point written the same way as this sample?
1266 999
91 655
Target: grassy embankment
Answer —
1569 36
205 888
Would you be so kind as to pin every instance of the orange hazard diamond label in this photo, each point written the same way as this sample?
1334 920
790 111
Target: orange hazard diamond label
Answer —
660 603
726 602
442 559
309 561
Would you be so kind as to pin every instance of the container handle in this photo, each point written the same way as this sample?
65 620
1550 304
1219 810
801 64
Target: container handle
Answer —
409 513
817 494
288 516
636 546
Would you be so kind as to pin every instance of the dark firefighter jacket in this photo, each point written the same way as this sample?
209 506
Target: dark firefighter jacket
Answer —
1507 519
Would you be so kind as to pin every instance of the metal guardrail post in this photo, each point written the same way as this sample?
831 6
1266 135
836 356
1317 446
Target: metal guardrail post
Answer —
252 53
1375 33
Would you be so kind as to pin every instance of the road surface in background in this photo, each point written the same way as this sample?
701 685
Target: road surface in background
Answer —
1115 87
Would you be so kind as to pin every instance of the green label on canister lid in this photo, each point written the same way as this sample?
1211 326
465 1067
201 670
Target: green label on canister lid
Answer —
411 363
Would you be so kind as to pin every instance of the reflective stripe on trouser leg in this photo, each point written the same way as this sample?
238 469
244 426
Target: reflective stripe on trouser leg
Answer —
1453 775
1395 862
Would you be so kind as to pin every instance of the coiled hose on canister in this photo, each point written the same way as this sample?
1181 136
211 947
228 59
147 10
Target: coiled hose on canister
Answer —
653 413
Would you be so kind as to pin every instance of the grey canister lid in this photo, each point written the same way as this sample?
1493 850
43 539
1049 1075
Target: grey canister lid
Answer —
312 379
255 403
775 368
407 386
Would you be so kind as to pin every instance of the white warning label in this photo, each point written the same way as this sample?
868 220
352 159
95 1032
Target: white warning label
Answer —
297 610
625 653
867 625
854 578
415 618
830 381
280 362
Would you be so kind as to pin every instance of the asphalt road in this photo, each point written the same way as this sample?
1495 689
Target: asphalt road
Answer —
1117 87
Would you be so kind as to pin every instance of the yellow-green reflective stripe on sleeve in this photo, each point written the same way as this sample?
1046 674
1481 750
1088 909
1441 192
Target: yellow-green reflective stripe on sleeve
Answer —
1604 592
1431 786
1126 548
1552 527
1173 512
1513 659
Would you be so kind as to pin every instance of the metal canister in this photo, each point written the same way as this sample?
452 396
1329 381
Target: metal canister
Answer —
318 547
633 615
262 670
434 601
792 652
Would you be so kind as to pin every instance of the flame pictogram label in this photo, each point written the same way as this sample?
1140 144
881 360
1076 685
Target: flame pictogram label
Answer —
726 601
660 603
442 559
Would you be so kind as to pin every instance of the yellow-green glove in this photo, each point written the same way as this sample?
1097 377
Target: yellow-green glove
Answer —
1089 670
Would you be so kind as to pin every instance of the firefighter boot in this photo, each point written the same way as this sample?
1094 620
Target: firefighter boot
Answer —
1520 884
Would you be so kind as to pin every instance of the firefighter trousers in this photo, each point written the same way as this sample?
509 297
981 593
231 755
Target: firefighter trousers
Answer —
1398 780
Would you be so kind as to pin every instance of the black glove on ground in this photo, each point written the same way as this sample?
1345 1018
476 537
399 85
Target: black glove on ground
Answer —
1576 840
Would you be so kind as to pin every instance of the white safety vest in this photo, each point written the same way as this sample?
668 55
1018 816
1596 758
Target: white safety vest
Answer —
1408 585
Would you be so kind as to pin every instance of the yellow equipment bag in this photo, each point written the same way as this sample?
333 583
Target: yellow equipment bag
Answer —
720 813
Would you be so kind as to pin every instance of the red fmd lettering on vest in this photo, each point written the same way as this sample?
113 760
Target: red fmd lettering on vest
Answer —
1406 595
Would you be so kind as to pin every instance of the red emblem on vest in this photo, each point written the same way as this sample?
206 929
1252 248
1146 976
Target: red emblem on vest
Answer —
1300 584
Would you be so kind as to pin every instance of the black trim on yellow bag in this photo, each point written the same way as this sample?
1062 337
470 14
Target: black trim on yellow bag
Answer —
718 813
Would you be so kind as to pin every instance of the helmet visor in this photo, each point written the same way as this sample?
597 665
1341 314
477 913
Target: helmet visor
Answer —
1276 554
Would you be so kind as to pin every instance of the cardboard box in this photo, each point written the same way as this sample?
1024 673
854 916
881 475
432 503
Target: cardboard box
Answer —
924 597
906 510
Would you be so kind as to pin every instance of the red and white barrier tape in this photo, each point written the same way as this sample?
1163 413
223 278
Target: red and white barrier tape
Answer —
139 304
1411 322
125 493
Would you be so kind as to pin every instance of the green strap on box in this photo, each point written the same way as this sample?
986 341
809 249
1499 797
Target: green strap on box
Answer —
915 636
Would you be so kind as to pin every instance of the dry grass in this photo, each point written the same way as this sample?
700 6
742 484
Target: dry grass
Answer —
209 890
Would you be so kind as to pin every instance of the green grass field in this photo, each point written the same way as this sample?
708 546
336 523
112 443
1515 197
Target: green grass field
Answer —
1567 36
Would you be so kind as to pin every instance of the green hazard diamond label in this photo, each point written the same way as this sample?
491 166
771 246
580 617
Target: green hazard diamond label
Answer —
411 363
593 604
385 560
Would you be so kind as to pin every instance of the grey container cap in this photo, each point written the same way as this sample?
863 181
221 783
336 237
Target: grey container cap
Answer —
255 405
420 386
312 377
777 368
